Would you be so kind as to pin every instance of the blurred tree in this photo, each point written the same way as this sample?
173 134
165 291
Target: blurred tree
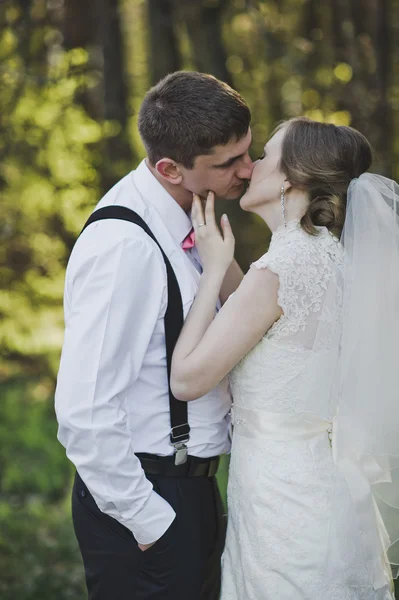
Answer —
274 48
78 22
72 76
362 43
383 113
204 22
96 28
164 47
49 169
119 156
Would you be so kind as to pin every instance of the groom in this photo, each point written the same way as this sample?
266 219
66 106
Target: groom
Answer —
146 508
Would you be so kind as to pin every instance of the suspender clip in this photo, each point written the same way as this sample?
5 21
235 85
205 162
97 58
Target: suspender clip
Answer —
179 437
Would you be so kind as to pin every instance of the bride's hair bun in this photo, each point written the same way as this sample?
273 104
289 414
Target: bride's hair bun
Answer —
322 159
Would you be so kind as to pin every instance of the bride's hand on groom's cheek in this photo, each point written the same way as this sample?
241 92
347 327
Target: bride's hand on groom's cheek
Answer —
215 247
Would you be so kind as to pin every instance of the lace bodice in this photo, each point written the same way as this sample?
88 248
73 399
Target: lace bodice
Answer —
275 375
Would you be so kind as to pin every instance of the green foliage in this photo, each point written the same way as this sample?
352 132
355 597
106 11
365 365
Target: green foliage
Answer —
39 556
49 180
222 476
32 462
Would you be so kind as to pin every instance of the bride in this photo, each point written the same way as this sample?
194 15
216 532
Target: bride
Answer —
310 342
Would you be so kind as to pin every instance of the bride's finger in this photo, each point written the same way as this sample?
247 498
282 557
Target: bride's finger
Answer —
228 234
197 215
199 211
210 210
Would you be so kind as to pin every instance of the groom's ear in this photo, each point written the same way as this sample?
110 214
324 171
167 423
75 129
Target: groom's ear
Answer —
169 170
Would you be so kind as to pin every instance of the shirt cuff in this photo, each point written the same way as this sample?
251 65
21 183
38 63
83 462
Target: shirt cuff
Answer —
151 522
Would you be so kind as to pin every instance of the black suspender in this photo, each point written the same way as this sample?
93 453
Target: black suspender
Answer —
180 429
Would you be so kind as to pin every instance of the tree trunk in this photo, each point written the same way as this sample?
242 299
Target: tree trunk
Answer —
118 150
343 32
346 49
164 52
310 24
383 116
318 55
362 38
95 26
79 26
204 25
80 30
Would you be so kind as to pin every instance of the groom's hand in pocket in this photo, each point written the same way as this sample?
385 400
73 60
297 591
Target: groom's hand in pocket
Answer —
164 536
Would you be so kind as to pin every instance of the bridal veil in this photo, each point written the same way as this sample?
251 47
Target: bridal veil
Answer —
365 388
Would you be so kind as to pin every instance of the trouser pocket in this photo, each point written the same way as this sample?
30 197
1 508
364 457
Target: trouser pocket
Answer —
82 498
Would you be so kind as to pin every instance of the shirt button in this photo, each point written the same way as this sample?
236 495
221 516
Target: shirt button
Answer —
83 493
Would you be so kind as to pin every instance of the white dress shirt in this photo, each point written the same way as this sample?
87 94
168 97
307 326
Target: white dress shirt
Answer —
112 389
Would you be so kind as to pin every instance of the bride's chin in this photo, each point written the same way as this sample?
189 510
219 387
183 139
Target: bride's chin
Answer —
245 202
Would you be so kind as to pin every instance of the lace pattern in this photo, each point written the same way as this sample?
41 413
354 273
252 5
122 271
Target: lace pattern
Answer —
305 266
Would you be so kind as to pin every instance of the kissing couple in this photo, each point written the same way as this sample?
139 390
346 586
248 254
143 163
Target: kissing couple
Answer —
163 332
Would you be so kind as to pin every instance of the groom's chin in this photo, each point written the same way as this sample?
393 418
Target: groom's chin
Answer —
236 192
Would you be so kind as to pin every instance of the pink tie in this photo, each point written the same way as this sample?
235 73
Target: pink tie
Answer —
189 241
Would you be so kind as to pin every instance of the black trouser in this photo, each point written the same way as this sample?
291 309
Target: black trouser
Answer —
184 564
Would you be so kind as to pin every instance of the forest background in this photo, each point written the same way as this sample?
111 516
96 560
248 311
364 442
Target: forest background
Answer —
72 76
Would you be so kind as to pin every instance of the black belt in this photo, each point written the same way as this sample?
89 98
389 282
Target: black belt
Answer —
165 466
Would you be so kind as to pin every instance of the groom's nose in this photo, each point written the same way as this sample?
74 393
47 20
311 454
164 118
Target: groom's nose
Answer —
246 168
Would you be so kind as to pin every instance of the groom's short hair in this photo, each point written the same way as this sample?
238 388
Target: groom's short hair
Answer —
188 113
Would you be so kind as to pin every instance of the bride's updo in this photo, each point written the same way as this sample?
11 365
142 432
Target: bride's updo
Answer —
321 159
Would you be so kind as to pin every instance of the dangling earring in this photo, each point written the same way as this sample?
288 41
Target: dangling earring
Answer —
282 198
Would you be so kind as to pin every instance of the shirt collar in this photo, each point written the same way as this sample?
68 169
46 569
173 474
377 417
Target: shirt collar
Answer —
173 216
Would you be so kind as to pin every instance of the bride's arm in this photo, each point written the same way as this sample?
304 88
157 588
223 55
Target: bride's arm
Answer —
208 348
232 280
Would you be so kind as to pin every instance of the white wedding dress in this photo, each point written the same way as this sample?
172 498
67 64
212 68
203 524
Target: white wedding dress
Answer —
283 477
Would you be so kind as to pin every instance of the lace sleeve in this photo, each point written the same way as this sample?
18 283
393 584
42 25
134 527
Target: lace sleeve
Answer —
304 265
283 265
